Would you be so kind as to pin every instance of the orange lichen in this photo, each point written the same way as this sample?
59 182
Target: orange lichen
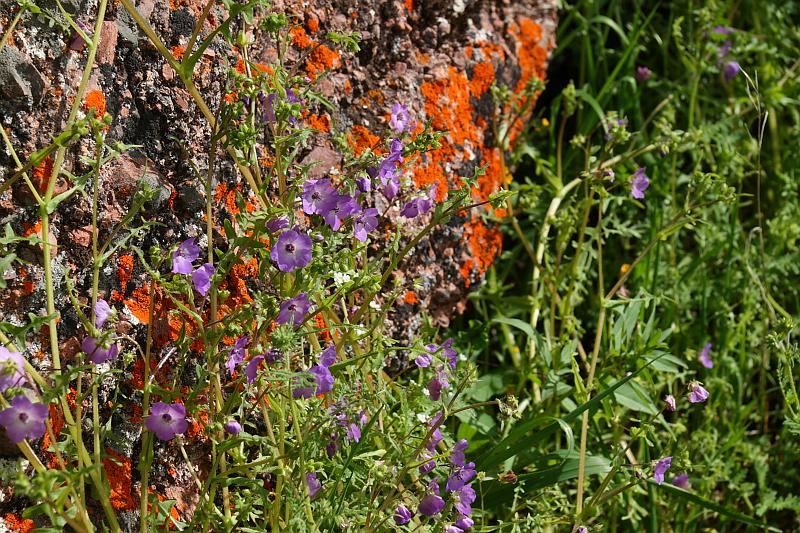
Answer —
319 122
198 425
532 56
178 51
139 304
20 525
124 270
27 284
482 78
360 139
484 244
226 194
322 326
320 60
299 37
229 98
409 5
312 24
118 472
410 298
95 100
41 174
29 229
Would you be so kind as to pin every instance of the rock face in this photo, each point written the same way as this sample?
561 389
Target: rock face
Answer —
438 58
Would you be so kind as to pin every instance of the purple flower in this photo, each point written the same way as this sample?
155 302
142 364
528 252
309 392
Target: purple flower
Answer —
267 104
102 311
670 401
722 30
318 196
681 481
182 258
431 505
323 378
415 207
697 394
273 355
457 455
291 251
642 74
661 468
731 69
328 356
24 419
232 427
424 360
344 207
97 352
202 278
294 310
237 353
452 528
460 477
464 522
251 370
364 223
703 356
639 183
582 529
724 50
167 420
12 369
313 485
402 515
435 386
464 496
391 188
353 432
401 120
277 224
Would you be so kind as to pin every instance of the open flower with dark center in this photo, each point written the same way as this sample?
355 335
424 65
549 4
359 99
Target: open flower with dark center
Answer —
318 196
345 206
99 352
24 419
167 420
182 258
291 251
294 310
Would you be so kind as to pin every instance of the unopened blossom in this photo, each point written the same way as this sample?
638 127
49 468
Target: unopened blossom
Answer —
452 528
431 504
639 183
642 74
731 69
364 223
704 357
251 370
697 394
201 278
681 480
670 401
237 353
276 224
24 419
402 515
291 251
99 352
182 258
400 119
102 312
294 310
661 467
232 427
12 369
167 420
318 196
313 485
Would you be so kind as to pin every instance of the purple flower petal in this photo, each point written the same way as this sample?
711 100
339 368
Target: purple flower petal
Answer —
681 481
294 310
202 278
291 251
402 515
431 505
313 485
12 369
639 183
24 419
98 353
251 370
704 357
102 311
697 394
661 468
166 421
670 401
400 119
232 427
182 258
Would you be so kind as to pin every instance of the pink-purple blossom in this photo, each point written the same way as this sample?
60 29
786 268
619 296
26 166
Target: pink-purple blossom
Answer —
704 357
730 70
167 420
697 394
12 369
201 278
99 352
400 119
291 251
431 504
415 207
364 223
251 370
681 480
402 515
232 427
670 401
24 419
336 213
314 486
294 310
102 312
639 183
237 353
318 196
642 74
183 257
661 467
